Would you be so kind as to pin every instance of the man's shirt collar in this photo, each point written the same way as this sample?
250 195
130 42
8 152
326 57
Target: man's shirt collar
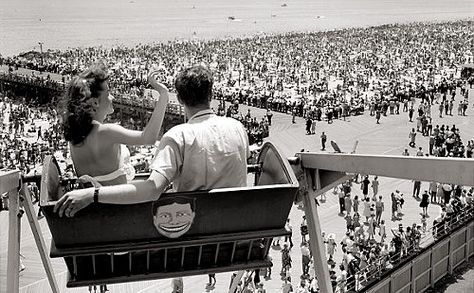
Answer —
201 113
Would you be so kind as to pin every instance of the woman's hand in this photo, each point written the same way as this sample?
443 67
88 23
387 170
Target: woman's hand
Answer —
161 88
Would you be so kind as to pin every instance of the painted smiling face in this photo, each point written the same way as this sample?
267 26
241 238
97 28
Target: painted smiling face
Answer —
174 219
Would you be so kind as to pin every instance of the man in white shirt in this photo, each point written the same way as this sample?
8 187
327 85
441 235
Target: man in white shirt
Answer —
205 153
306 258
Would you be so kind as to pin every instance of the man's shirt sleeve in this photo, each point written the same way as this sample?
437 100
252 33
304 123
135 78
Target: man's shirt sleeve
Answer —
168 159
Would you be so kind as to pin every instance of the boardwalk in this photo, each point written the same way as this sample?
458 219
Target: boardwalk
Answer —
390 137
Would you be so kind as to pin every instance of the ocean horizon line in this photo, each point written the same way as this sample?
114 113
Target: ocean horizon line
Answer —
112 42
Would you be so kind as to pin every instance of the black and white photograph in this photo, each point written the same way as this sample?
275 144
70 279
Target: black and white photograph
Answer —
222 146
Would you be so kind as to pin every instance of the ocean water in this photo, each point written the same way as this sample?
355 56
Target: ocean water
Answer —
60 24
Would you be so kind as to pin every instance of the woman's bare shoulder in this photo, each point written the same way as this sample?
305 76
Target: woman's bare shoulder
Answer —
109 129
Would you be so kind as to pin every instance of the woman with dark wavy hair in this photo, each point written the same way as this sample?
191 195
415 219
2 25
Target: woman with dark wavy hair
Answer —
98 149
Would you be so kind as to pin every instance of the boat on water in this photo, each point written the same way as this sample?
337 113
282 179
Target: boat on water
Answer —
234 19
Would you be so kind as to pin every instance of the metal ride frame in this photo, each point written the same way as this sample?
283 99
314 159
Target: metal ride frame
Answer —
323 171
19 198
320 172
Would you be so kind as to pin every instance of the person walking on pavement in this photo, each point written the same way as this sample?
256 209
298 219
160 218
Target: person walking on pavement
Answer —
375 186
285 260
212 280
313 127
289 228
304 229
306 258
342 202
323 141
433 190
348 204
365 185
416 188
394 206
355 204
431 144
425 201
177 285
269 117
412 136
39 133
309 123
379 208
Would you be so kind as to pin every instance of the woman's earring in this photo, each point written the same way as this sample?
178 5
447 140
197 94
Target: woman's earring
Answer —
94 105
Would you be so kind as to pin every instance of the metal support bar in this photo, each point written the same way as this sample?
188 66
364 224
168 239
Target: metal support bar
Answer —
467 240
250 250
199 255
94 271
112 267
447 170
74 266
9 181
217 253
14 228
165 258
40 244
432 272
147 261
317 244
267 246
450 253
183 251
233 251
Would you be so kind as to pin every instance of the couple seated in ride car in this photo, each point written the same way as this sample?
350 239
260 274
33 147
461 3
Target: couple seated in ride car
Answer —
207 152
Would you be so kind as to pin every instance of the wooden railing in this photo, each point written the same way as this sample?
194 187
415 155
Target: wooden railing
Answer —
419 271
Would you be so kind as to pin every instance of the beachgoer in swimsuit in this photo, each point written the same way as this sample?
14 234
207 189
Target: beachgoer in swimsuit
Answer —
98 150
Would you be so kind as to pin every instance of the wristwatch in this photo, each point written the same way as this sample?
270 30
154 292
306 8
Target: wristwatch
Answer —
96 194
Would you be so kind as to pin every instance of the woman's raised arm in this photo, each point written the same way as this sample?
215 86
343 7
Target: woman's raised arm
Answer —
118 134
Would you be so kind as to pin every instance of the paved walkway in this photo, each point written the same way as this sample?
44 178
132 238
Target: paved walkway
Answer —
389 137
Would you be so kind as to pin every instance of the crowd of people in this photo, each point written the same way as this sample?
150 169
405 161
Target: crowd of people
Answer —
325 74
369 247
24 141
17 152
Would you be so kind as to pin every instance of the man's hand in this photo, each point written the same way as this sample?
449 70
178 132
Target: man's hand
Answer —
74 201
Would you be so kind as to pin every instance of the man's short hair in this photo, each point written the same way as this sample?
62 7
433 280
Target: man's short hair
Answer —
194 86
174 199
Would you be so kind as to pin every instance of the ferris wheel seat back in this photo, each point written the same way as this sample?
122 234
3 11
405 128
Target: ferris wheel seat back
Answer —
180 234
